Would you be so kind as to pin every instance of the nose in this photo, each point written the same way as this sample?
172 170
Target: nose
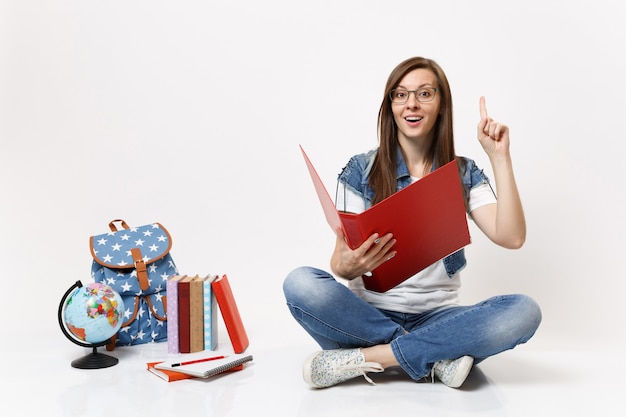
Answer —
412 99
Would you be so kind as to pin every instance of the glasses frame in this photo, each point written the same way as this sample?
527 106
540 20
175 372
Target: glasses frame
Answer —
417 97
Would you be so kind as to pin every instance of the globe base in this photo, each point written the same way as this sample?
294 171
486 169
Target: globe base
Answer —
94 360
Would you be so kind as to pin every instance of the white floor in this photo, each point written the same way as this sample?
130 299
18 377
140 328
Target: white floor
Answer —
522 382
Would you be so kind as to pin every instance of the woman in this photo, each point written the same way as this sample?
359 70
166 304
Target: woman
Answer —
418 325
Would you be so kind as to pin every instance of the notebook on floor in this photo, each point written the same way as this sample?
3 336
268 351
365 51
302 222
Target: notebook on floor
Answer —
204 364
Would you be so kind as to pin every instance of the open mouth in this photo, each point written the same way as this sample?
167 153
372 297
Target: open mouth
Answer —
413 119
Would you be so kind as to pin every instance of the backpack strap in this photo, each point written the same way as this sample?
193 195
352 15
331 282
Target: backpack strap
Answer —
111 345
140 267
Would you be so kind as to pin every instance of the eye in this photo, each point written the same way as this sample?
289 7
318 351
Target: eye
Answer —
425 93
399 94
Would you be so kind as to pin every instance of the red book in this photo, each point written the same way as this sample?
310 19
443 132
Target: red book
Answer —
427 219
166 374
230 313
184 340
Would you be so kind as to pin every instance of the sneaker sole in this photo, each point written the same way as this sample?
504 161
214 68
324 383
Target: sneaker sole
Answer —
306 370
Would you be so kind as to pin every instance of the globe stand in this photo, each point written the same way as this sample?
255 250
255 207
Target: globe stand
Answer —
94 360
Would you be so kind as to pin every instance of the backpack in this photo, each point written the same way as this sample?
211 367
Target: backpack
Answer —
135 262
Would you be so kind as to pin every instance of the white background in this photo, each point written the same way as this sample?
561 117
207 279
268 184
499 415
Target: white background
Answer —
190 113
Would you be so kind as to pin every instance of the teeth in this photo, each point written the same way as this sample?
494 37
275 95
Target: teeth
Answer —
413 119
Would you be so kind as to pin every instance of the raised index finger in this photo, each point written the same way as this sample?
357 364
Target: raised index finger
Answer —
483 108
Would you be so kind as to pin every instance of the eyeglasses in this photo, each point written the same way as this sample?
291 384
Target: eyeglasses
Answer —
423 95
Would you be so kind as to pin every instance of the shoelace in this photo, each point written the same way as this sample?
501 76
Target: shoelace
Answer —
363 368
432 371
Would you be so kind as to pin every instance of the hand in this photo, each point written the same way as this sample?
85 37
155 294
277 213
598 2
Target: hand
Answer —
350 264
493 136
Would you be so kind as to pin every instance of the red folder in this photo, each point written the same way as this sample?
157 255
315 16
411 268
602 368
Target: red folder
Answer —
427 219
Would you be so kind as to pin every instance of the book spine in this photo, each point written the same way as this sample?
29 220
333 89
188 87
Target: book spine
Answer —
171 287
196 320
183 316
210 315
230 314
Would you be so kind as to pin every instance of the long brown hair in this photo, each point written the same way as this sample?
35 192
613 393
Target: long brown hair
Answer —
382 177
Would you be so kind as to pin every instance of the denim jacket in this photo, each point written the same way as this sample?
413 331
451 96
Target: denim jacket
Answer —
355 176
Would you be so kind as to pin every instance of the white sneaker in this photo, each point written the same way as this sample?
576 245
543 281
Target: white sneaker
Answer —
330 367
453 372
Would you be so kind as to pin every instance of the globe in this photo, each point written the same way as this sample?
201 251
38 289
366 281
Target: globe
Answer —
89 315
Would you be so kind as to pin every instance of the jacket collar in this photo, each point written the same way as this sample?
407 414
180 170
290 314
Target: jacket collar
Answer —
402 171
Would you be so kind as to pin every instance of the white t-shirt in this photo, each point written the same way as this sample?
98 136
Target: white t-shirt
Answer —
428 289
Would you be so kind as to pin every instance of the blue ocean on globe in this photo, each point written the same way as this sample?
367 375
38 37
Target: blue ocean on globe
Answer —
93 313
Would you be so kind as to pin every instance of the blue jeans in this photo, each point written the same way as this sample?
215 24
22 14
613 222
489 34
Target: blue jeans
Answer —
337 319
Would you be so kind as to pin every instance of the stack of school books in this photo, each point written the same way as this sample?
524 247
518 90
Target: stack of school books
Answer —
192 303
192 312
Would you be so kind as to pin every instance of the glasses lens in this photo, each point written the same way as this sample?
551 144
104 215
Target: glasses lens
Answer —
399 95
425 95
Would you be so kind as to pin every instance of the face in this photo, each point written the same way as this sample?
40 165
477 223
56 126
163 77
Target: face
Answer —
416 120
